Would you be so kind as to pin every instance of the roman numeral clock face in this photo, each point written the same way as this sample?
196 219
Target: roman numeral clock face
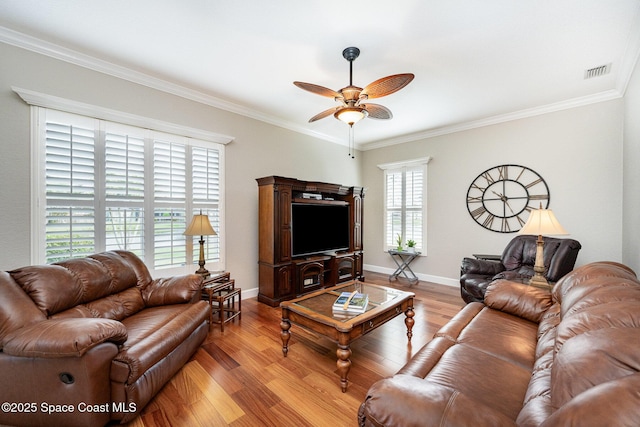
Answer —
500 198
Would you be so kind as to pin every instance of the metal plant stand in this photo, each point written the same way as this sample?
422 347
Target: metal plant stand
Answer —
402 260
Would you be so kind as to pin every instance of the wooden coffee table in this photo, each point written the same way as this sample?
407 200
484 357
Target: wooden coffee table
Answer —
314 312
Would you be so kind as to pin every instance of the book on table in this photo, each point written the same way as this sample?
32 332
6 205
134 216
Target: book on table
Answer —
351 302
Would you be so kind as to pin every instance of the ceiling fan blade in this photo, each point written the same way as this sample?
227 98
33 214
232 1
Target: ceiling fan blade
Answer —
318 90
386 85
322 115
377 111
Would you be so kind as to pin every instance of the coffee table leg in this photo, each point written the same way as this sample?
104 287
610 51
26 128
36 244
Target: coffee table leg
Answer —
285 325
344 361
409 321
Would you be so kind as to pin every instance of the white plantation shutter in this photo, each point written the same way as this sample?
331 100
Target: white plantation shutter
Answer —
109 186
69 186
414 207
169 194
124 191
393 199
405 203
206 196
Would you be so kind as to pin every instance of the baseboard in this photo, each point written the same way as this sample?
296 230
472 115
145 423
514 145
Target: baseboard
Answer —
250 293
426 277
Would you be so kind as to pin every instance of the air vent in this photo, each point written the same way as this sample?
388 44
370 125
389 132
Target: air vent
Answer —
597 71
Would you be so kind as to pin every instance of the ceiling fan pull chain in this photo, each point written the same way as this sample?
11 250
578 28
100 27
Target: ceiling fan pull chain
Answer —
351 142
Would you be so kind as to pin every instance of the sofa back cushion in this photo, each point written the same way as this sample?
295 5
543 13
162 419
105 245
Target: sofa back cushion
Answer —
596 339
67 284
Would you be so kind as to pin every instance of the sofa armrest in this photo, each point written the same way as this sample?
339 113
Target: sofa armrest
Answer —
404 400
56 338
172 290
526 301
481 266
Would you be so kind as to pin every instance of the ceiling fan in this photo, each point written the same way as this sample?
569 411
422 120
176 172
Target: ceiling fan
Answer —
353 99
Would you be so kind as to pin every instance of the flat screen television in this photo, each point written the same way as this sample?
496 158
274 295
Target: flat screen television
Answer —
319 228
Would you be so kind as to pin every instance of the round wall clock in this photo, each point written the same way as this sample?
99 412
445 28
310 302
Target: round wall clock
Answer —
500 197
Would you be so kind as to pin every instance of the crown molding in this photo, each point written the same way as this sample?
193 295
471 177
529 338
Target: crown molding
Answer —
488 121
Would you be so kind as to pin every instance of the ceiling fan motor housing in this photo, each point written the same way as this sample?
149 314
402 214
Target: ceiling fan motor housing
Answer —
351 53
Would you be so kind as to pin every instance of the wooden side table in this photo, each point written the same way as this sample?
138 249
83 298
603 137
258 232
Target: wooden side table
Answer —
220 292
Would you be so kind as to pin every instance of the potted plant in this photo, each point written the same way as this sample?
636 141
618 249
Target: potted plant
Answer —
399 241
411 244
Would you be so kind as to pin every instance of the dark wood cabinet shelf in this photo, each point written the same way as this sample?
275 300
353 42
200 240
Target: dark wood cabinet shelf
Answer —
320 201
283 276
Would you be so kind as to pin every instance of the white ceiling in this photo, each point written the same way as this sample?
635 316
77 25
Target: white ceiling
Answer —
475 62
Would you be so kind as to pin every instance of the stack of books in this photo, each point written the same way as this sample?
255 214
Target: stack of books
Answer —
351 303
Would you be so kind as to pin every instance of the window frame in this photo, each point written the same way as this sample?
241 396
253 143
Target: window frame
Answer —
402 167
40 102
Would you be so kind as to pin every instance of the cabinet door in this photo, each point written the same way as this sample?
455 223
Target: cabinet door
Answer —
357 223
284 224
284 281
345 267
310 276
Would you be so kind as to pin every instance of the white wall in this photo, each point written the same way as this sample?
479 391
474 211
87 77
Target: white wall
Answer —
578 152
631 222
258 150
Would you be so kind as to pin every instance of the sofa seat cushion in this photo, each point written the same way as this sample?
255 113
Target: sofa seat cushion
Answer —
408 401
482 353
152 334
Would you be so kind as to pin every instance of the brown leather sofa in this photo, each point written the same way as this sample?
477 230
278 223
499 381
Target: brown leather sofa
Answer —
516 263
87 341
529 357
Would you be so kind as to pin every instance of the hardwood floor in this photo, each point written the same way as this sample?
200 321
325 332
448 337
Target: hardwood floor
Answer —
240 377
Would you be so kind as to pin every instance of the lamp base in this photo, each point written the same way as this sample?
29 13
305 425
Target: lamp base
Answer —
202 271
539 281
538 278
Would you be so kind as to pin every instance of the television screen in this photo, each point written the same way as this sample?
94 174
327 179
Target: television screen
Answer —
318 228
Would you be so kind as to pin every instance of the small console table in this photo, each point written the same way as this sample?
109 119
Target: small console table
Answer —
402 260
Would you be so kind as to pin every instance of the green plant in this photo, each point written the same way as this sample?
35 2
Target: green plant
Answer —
399 241
411 243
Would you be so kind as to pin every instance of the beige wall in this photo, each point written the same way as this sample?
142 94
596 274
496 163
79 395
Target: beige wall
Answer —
578 152
258 150
631 168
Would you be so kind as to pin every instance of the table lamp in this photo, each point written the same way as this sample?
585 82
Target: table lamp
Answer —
200 226
541 221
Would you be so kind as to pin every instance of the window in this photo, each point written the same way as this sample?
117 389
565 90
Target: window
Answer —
405 203
102 185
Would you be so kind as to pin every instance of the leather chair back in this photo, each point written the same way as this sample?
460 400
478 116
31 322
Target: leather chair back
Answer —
560 256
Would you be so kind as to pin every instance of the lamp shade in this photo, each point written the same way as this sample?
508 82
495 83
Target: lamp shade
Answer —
542 221
200 226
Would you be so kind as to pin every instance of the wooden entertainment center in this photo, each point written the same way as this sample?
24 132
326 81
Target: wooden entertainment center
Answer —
283 276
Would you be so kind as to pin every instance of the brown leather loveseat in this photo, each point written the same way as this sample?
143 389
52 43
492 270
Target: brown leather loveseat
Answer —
529 357
87 341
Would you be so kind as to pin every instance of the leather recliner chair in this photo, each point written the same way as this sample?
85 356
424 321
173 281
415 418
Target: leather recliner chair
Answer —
516 263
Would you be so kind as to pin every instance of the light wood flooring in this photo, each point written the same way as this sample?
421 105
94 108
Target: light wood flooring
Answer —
240 377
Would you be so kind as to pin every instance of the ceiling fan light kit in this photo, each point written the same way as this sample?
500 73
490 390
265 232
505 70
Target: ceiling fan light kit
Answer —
352 108
351 115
